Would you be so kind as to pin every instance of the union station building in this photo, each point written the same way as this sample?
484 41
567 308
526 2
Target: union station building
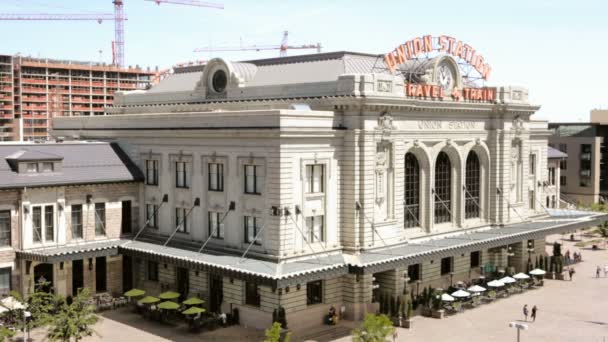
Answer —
319 180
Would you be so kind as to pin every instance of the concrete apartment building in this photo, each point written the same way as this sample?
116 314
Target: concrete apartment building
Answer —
34 90
584 175
325 179
64 197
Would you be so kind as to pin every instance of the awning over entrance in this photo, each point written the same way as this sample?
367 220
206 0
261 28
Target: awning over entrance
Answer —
559 221
71 252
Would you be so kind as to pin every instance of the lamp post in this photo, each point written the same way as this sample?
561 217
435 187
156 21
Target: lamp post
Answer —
519 327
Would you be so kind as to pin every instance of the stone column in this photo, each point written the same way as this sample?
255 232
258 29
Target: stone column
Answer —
357 294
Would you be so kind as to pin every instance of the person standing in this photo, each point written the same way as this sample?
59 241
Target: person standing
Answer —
570 272
605 270
533 315
526 312
597 271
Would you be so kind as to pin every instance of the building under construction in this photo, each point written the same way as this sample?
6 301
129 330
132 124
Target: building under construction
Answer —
34 90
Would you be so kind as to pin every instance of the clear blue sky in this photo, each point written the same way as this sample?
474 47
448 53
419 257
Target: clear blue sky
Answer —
556 48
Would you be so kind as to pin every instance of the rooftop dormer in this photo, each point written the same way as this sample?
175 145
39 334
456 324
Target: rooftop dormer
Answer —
34 162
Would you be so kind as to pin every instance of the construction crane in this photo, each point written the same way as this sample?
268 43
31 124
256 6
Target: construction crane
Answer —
283 47
118 45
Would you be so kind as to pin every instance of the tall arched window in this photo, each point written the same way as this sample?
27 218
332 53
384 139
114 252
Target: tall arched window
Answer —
443 188
412 192
472 175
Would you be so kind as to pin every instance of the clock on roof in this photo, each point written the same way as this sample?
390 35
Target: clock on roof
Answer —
445 76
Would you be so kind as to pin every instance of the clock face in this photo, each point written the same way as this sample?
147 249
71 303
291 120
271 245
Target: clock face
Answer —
445 77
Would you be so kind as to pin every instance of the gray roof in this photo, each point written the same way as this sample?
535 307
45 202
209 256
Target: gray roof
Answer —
553 153
82 163
177 82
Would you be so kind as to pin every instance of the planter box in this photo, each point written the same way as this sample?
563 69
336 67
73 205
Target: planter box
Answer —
560 276
438 314
283 335
426 312
407 324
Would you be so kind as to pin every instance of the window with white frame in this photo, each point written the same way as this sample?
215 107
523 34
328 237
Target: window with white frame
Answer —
49 223
181 220
315 228
47 167
5 281
551 176
100 219
315 178
37 223
252 183
152 172
152 215
216 229
5 228
216 176
32 167
181 175
76 221
251 229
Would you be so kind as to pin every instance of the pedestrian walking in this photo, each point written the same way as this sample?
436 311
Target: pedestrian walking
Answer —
597 271
526 312
605 270
571 272
533 315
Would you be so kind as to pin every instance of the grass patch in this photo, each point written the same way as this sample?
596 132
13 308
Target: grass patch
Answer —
589 242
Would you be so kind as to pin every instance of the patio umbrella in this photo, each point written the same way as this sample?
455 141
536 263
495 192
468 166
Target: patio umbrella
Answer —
169 295
461 294
476 288
12 304
447 298
508 280
193 311
193 301
521 276
149 300
496 283
168 305
135 293
537 271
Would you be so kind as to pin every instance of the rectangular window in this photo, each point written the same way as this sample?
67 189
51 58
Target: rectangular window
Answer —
49 223
77 221
314 292
152 172
315 229
181 176
531 244
585 165
152 215
563 164
251 229
181 220
475 259
551 176
252 295
532 200
32 167
152 271
532 164
446 265
216 229
37 223
100 219
413 272
5 228
314 178
562 180
5 281
251 179
216 177
47 167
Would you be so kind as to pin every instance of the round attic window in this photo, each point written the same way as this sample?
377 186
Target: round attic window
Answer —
219 81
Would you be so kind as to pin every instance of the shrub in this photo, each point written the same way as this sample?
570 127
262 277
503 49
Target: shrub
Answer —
375 328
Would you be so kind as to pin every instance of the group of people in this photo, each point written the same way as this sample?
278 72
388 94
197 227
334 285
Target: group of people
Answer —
532 314
599 269
576 257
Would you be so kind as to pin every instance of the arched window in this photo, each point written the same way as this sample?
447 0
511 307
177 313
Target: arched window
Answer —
412 192
443 188
472 175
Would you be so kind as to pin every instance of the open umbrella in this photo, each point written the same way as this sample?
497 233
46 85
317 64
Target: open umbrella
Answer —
135 293
12 304
496 283
149 300
537 271
461 294
476 288
508 280
169 295
193 311
193 301
168 305
521 276
447 298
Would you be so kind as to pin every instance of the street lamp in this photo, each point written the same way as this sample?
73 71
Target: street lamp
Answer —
519 327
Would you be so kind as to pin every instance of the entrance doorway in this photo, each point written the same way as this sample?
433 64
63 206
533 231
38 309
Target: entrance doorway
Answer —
77 276
216 292
100 274
126 217
127 273
183 281
43 277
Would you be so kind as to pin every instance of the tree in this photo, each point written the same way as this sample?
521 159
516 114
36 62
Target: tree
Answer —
273 334
375 328
73 321
41 305
6 334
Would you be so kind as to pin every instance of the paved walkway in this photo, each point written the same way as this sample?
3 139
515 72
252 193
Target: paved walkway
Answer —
574 311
